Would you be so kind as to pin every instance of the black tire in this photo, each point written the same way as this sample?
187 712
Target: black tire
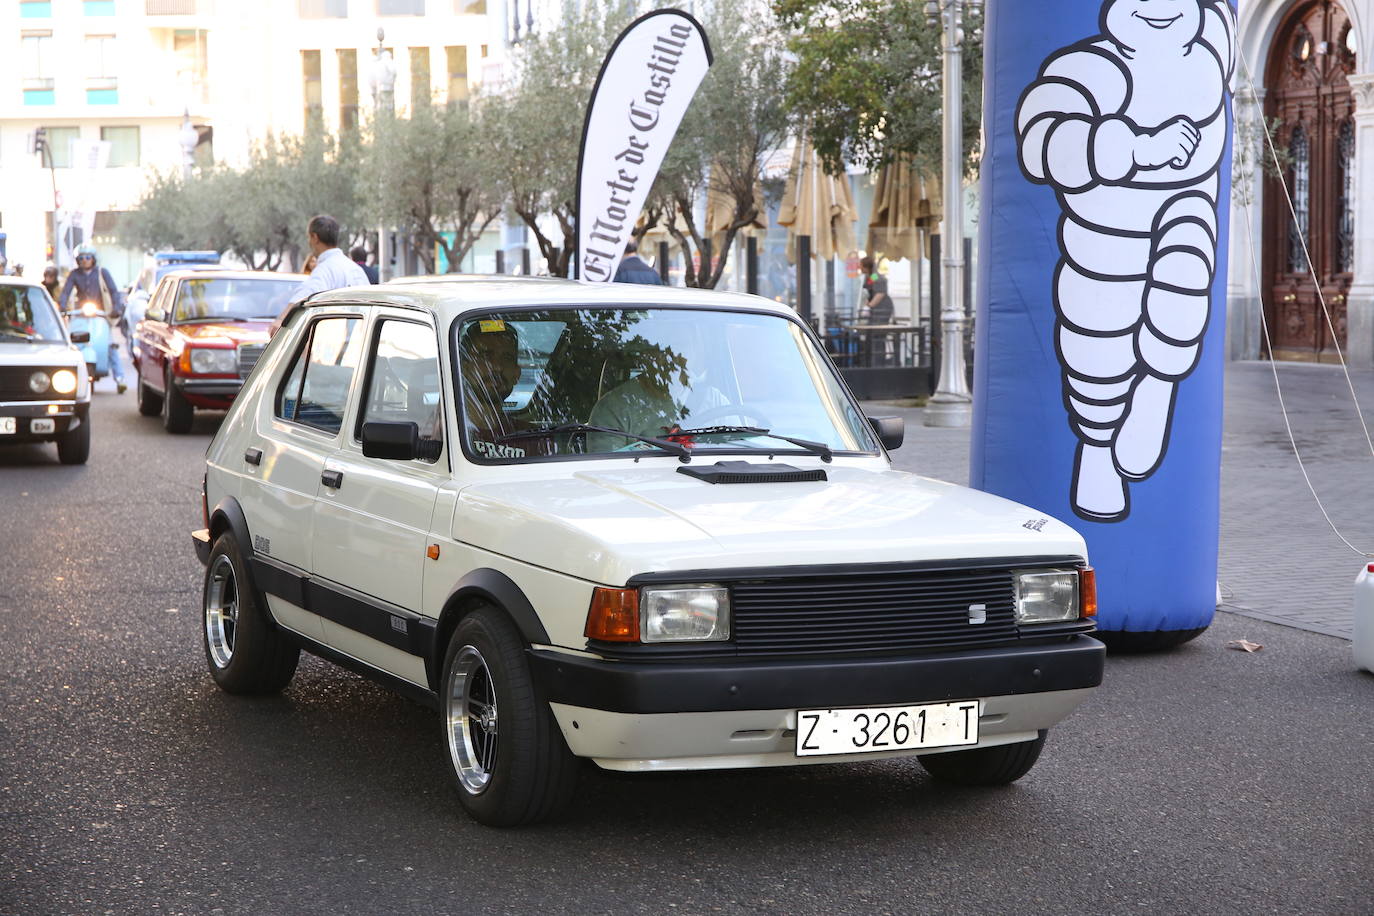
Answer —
74 446
524 773
985 766
177 412
149 401
1123 642
245 649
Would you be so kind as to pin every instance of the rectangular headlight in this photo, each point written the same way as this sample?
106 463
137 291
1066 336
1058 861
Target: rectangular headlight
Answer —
684 613
1046 595
206 361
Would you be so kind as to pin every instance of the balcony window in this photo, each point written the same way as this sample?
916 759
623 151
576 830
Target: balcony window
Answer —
36 59
100 62
171 7
420 92
400 7
98 7
124 151
60 145
457 73
322 9
39 97
102 96
190 53
348 89
312 88
35 9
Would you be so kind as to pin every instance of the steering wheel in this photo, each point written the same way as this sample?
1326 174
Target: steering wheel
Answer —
704 417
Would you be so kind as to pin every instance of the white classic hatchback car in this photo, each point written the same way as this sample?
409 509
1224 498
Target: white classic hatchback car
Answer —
683 547
45 392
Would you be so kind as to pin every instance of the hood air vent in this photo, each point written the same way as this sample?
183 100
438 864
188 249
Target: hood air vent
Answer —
745 472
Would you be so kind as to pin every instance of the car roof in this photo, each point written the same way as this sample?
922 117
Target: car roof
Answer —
473 278
18 281
473 293
220 273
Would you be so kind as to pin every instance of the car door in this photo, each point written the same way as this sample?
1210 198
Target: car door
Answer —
372 515
152 335
295 431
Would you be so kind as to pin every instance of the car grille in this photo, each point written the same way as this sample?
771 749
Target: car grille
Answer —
248 358
14 383
863 610
873 611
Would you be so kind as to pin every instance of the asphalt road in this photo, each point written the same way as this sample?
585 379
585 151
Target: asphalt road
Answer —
1208 780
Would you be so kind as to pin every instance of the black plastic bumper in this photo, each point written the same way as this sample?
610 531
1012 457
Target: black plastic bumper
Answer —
209 388
723 684
26 412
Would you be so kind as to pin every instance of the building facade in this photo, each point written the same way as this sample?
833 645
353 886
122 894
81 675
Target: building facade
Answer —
1302 227
122 88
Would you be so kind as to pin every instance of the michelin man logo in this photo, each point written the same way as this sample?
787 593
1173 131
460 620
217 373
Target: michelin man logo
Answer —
1129 128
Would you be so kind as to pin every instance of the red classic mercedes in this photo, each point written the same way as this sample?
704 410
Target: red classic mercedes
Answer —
203 333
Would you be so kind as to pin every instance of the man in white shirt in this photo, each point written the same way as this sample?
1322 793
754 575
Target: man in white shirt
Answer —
333 268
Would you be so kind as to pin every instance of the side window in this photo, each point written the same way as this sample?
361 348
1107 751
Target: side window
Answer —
403 383
316 388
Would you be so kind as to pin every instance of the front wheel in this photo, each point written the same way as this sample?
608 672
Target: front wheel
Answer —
985 766
74 447
246 651
177 412
508 755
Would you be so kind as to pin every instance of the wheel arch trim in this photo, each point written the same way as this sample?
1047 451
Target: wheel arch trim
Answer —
483 586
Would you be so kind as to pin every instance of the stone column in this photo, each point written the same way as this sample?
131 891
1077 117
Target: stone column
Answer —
1245 290
1360 303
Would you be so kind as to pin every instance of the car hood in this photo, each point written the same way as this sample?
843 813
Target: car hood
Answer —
608 525
36 353
229 332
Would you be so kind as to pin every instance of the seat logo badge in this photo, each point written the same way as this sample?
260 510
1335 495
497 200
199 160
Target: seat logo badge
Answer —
977 613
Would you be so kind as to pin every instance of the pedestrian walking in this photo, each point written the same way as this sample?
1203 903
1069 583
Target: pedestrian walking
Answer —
94 284
332 270
878 304
50 282
359 256
632 268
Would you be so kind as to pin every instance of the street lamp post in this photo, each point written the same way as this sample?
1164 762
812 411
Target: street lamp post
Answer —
951 405
383 80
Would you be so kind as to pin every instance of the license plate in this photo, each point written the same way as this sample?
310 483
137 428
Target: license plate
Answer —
40 427
886 728
7 427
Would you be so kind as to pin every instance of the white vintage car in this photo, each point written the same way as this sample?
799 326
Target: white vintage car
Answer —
685 549
45 392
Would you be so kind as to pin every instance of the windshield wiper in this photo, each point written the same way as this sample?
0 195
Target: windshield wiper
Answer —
20 334
816 448
202 319
683 453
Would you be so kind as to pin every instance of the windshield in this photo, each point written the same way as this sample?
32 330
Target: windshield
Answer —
226 297
649 379
26 314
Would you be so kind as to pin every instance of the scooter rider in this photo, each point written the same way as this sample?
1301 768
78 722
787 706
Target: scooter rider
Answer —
94 284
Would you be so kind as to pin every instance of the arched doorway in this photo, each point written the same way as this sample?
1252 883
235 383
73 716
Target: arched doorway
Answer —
1313 53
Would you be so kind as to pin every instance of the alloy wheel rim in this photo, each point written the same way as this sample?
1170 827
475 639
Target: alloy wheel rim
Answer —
221 611
473 721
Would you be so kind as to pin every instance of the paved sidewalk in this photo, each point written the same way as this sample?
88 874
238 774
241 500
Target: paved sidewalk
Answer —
1279 559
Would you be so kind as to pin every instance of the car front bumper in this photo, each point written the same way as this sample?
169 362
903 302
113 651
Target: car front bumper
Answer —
208 389
66 416
671 716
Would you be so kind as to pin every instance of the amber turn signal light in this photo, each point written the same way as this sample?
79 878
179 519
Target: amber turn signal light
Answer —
1087 592
614 615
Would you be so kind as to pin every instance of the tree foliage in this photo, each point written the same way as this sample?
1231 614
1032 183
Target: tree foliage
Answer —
258 212
433 176
868 81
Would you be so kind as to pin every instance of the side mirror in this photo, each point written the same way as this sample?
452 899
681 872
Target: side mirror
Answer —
392 441
891 431
81 336
155 314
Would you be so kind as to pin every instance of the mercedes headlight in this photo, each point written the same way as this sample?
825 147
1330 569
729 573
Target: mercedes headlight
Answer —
1046 595
205 361
684 613
39 382
64 381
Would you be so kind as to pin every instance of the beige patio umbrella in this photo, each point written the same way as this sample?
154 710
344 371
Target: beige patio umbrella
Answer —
906 209
818 205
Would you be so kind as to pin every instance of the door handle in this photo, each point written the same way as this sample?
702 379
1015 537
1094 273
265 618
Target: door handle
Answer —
253 456
332 479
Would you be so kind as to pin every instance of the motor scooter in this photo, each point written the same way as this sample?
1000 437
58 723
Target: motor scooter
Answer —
95 348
